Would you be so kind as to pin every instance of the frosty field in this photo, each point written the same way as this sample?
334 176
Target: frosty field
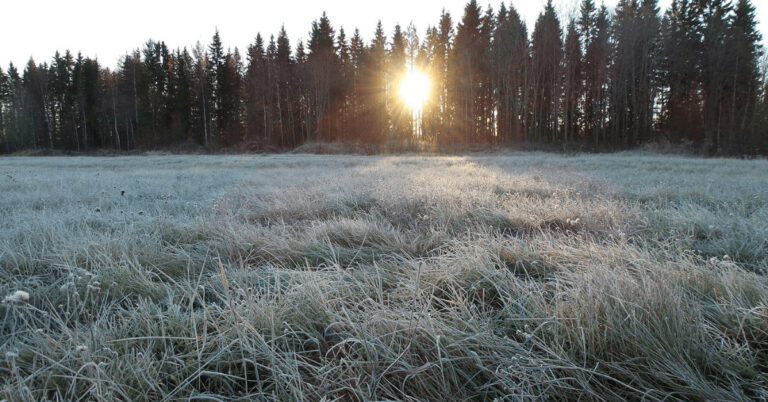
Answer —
302 277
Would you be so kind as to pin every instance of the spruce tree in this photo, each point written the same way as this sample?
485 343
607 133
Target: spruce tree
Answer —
715 74
634 34
184 99
228 83
681 63
203 92
443 52
4 95
509 57
588 34
484 99
285 90
399 113
216 60
465 72
14 111
358 58
599 55
302 95
746 50
572 84
255 91
323 73
547 59
374 88
344 88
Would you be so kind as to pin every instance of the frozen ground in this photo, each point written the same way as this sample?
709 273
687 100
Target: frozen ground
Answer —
393 277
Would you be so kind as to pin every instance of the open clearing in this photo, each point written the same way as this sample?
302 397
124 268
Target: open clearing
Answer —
507 276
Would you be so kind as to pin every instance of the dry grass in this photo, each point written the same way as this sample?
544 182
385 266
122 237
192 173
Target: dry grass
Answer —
625 276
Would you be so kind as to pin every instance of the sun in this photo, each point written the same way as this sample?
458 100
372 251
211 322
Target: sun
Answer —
414 89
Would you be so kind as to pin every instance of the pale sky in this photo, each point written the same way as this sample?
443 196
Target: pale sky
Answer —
108 29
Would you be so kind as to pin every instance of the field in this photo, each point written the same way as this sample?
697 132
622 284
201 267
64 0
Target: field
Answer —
301 277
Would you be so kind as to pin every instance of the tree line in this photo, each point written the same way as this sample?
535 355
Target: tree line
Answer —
595 80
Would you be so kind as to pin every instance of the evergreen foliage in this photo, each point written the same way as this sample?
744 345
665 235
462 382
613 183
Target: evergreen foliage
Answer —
596 81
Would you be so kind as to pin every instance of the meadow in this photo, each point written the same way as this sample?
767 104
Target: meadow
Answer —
409 277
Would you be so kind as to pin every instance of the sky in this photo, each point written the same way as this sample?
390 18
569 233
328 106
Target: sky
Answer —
107 29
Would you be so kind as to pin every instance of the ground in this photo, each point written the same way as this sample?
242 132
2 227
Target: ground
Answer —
512 275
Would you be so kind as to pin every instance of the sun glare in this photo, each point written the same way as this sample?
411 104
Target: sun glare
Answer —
414 89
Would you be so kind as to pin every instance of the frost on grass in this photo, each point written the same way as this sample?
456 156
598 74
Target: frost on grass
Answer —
18 296
626 276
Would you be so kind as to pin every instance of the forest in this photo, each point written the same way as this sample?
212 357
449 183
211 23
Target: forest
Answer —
599 80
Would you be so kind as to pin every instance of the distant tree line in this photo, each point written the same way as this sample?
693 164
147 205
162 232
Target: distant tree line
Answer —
598 80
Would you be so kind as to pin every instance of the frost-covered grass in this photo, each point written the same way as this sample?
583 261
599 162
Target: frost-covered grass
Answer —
623 276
